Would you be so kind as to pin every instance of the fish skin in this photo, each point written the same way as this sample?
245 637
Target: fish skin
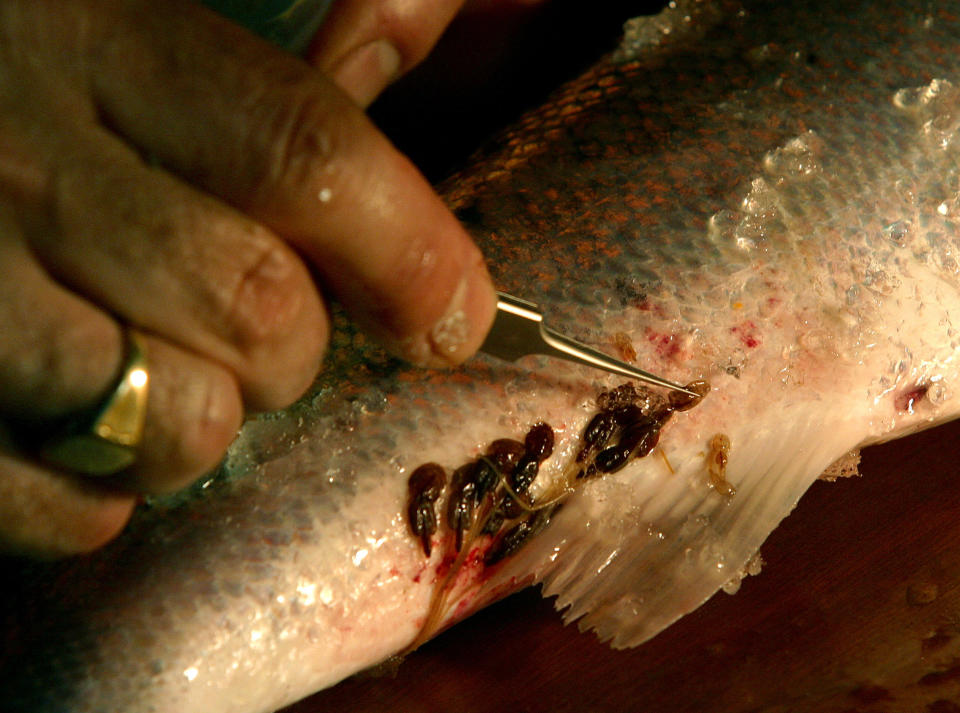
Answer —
813 287
827 199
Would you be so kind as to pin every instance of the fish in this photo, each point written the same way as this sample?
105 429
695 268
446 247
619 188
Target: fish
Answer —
758 198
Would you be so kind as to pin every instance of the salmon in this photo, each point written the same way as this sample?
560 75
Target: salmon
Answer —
758 198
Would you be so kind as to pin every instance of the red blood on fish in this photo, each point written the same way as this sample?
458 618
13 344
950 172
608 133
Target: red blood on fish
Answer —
906 400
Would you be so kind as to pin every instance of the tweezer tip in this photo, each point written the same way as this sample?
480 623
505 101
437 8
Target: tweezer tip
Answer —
544 340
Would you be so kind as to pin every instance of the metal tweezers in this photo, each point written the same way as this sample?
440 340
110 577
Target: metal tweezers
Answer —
518 330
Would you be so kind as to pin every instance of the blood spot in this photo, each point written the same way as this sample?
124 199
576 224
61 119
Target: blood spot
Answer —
905 401
666 344
445 564
748 333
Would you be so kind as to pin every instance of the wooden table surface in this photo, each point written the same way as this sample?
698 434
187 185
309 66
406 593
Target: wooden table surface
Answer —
857 610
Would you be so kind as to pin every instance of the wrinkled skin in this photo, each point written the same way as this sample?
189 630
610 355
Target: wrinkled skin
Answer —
162 168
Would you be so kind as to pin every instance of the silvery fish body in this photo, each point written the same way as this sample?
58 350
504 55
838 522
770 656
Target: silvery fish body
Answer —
759 196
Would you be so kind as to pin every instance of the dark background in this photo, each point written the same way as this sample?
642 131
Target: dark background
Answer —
488 68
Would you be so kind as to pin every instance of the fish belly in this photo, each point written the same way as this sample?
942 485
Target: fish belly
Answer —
760 195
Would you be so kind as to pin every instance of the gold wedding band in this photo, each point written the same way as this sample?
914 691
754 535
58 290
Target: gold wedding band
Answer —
104 440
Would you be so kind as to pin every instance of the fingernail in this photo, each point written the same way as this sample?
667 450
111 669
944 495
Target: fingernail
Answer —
366 71
458 333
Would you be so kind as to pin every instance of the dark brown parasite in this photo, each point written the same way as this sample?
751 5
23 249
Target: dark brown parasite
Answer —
424 487
518 535
600 429
463 500
489 497
538 445
505 454
494 487
538 442
680 401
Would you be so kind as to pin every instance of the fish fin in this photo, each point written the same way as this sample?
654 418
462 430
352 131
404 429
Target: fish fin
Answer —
846 466
632 553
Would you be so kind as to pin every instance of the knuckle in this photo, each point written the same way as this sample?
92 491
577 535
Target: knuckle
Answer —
418 262
259 312
299 147
267 296
277 322
61 368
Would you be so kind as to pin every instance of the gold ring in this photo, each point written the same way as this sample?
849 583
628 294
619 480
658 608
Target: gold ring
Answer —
104 440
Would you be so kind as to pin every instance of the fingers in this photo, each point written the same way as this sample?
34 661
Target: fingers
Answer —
194 411
71 361
218 283
43 513
365 45
261 160
60 355
266 133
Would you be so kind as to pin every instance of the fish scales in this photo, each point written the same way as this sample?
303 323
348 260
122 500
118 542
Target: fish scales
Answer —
763 196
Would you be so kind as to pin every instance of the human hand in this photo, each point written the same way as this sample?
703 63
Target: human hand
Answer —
163 169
